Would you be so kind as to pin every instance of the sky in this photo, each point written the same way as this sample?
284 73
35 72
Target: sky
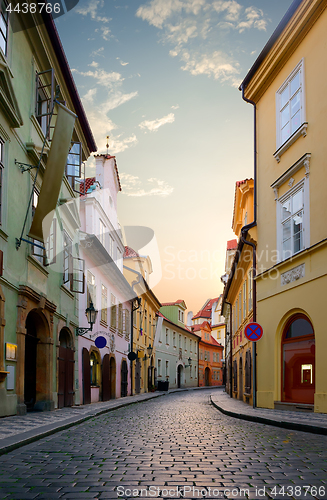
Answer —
161 78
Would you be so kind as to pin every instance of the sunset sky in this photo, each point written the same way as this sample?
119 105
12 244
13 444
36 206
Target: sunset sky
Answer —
161 78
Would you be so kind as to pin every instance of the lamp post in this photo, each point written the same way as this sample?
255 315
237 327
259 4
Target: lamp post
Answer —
91 315
189 363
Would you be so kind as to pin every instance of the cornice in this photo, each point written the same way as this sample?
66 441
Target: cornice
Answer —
286 44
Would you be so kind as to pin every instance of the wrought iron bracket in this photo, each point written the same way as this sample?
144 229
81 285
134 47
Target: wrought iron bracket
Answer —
25 167
82 331
19 241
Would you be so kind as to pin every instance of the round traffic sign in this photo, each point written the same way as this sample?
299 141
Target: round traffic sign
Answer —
100 342
253 332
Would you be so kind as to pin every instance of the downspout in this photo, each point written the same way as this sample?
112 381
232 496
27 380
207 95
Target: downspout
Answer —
132 321
230 348
244 232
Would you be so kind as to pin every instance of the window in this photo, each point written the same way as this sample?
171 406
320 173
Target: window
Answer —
120 319
73 166
104 304
113 312
102 233
180 341
248 372
250 289
235 375
145 321
236 315
126 326
167 336
195 347
244 299
91 289
167 369
240 308
291 208
4 15
217 357
290 105
44 99
185 343
174 339
159 367
201 354
191 345
214 357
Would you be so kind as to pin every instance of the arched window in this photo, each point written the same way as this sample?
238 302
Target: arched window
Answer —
298 361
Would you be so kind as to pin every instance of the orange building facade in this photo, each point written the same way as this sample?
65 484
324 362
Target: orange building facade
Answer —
210 356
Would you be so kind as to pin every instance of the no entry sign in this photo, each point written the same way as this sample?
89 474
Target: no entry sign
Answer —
253 332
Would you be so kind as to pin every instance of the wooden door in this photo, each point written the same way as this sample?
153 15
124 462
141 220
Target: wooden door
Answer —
124 379
30 371
86 376
106 378
137 376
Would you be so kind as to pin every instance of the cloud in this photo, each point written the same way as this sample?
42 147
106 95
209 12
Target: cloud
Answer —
194 27
103 77
92 9
154 125
214 65
94 64
133 186
97 52
119 98
89 95
175 107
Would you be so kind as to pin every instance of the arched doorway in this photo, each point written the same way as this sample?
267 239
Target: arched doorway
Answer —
65 370
179 376
106 378
240 379
112 378
124 379
298 361
86 370
31 340
207 376
137 376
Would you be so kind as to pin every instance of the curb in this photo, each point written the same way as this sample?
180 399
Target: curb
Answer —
313 429
58 428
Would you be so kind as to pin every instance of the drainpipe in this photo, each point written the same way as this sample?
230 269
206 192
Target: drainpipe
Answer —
244 232
132 321
230 348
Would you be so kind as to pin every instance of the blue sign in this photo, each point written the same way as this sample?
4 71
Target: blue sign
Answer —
253 332
100 342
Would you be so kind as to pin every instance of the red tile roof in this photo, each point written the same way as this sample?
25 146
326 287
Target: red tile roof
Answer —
129 252
88 183
231 245
205 312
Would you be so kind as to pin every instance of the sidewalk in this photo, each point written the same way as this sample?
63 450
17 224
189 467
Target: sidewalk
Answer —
315 423
17 431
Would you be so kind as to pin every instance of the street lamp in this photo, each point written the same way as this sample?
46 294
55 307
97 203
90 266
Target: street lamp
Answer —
91 315
150 349
189 363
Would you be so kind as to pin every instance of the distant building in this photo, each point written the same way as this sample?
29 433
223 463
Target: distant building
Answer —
176 347
210 356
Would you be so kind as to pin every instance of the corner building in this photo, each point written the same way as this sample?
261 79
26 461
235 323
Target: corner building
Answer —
288 85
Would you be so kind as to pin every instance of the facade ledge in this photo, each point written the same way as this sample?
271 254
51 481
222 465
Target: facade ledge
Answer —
301 131
37 264
304 161
3 235
64 289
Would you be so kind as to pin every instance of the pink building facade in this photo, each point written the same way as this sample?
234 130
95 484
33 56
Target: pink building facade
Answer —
104 368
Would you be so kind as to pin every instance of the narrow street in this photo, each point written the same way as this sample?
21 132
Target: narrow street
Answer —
176 446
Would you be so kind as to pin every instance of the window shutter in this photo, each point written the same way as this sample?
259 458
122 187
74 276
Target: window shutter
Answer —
77 283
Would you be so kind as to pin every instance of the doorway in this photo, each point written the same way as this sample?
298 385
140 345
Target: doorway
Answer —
207 376
65 371
124 379
112 378
179 376
240 379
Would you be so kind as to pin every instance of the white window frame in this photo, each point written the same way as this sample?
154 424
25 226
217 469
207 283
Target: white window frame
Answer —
281 146
167 368
303 185
159 367
167 336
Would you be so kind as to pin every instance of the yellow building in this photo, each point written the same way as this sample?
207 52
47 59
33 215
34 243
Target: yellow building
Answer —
288 86
137 270
237 300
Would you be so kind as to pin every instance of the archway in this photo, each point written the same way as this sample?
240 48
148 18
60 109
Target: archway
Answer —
124 379
179 376
37 375
207 376
86 370
112 378
298 361
65 370
240 379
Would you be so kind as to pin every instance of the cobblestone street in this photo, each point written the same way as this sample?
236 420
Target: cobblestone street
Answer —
172 447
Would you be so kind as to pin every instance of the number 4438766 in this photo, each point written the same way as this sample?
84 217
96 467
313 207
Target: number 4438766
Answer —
33 8
299 491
